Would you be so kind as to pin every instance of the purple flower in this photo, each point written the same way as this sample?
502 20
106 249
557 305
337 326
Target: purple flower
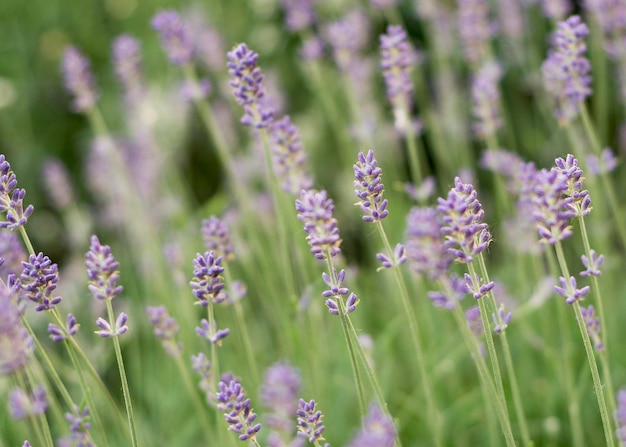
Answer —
26 444
310 424
462 214
216 237
127 60
315 210
291 162
58 334
423 192
79 426
581 202
195 91
620 415
79 80
556 9
174 36
24 405
165 328
592 264
211 332
611 15
502 320
474 321
56 179
378 430
102 271
475 286
566 71
336 292
384 4
424 244
607 162
299 14
207 284
398 257
454 290
232 400
209 47
347 37
486 100
39 279
12 252
592 322
202 366
508 164
474 30
369 188
107 330
312 48
397 61
17 345
12 198
569 290
551 208
279 394
247 86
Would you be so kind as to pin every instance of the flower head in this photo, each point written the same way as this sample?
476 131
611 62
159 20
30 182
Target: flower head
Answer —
12 198
592 322
570 291
299 14
165 328
310 424
24 405
397 61
79 80
279 394
127 60
79 426
378 430
486 100
216 237
552 209
16 345
315 210
369 188
232 400
39 279
425 250
291 162
620 415
174 35
58 334
57 183
208 285
102 271
475 30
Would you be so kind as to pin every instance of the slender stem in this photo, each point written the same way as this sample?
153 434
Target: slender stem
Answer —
412 141
122 371
426 381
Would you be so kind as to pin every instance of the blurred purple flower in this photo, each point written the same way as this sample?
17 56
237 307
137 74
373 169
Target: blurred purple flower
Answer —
17 345
556 9
216 237
486 100
127 60
291 162
12 252
24 405
165 328
79 80
174 35
592 322
312 48
425 249
299 14
57 182
211 332
475 30
604 164
474 322
79 426
378 430
620 415
592 264
315 210
279 394
102 271
397 61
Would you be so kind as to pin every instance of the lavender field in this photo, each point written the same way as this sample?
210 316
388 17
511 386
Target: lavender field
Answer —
282 223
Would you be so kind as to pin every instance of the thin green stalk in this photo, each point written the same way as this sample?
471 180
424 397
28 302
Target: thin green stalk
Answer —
122 371
38 422
593 366
425 379
412 142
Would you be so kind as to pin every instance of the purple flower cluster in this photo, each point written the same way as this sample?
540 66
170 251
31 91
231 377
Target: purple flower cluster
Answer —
378 430
24 405
315 210
486 100
336 292
232 400
201 364
592 322
476 287
475 30
620 415
165 328
39 279
175 37
393 259
13 254
606 162
474 321
347 36
279 394
425 249
461 213
102 271
112 330
502 320
569 289
79 426
551 208
127 61
556 9
79 80
210 331
247 86
454 289
216 237
57 183
58 334
15 342
581 201
397 60
291 162
208 285
310 424
12 198
566 70
611 15
592 264
299 14
369 188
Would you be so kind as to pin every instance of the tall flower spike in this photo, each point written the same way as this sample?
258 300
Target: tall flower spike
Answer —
378 430
207 284
174 36
165 328
79 80
592 322
79 426
290 159
551 208
397 61
315 210
102 271
462 214
279 393
581 201
16 345
310 424
232 400
57 182
247 86
486 100
127 60
39 279
566 70
24 405
299 14
425 250
58 334
369 188
216 237
474 30
12 198
337 291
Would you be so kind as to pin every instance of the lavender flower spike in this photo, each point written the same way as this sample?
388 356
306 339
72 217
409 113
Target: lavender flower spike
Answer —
310 423
24 405
17 345
315 210
485 100
552 209
247 85
119 328
127 59
397 60
216 237
291 162
279 392
592 322
378 430
336 292
425 248
369 188
39 279
232 400
207 284
12 198
79 426
79 80
299 14
165 328
566 71
58 334
475 30
569 290
620 416
102 271
174 36
592 264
